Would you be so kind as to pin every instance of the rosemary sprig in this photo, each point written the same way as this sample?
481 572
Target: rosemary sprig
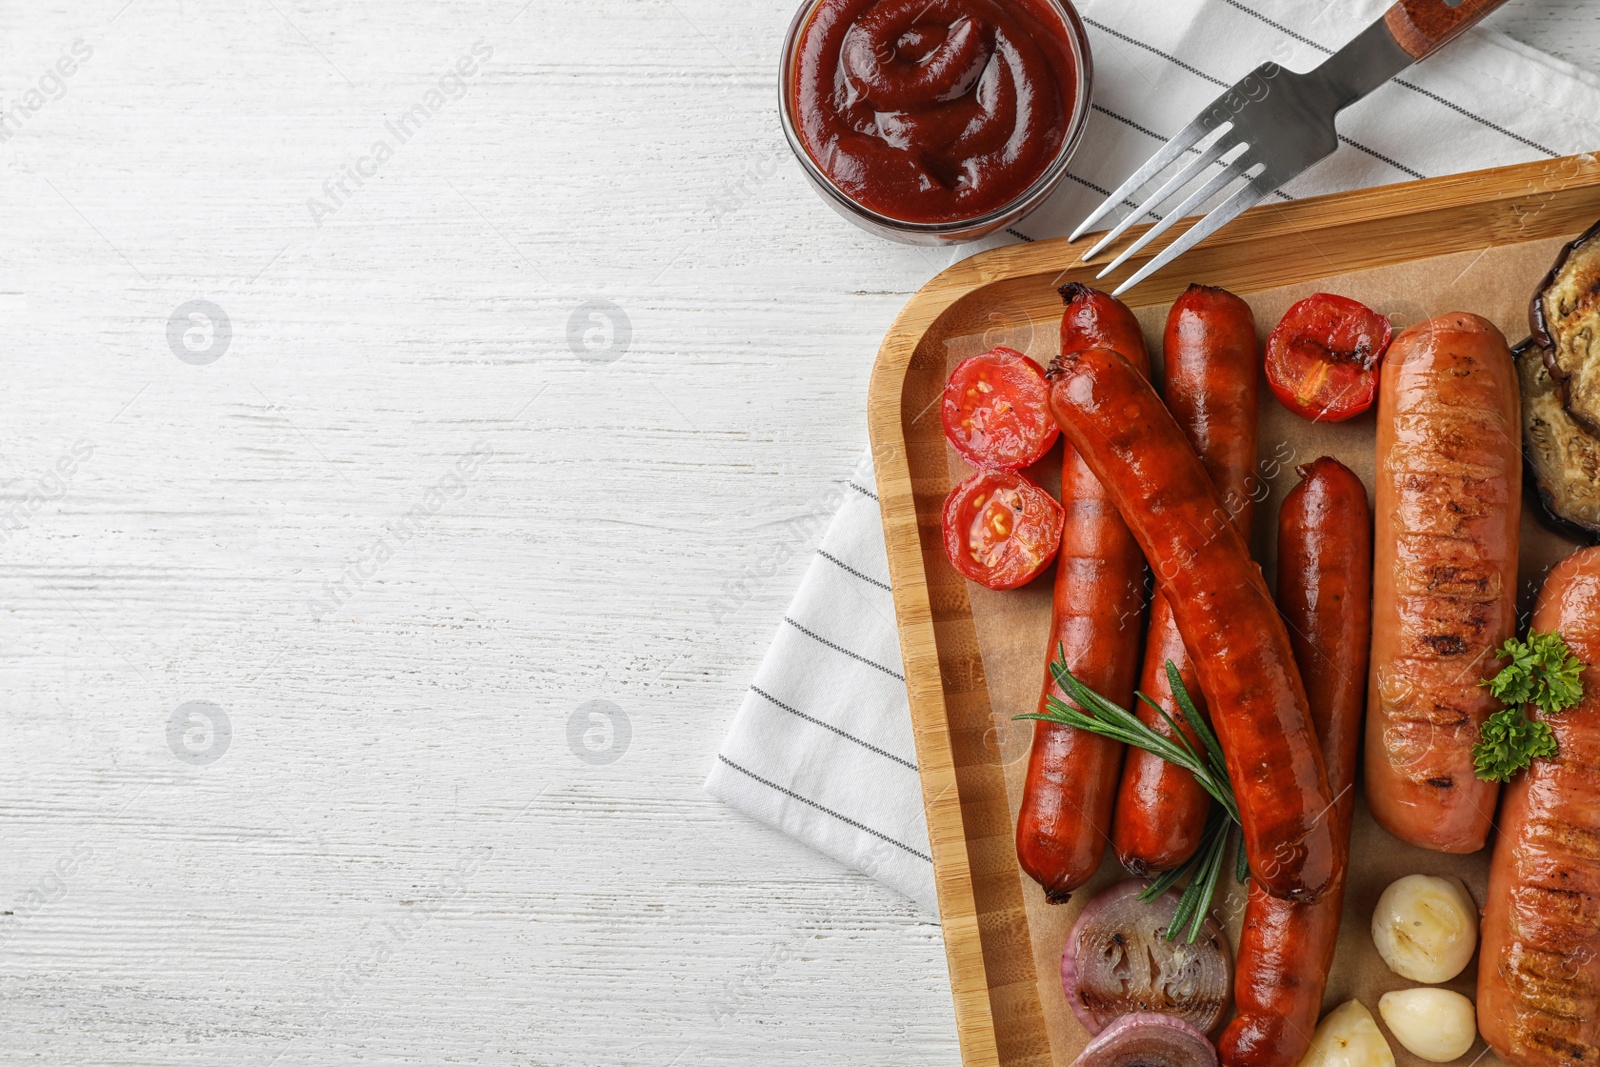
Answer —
1203 870
1100 716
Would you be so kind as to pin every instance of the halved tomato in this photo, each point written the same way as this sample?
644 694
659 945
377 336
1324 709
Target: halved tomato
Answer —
1323 357
1000 529
996 410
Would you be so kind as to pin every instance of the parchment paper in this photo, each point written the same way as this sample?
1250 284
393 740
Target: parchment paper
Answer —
1013 627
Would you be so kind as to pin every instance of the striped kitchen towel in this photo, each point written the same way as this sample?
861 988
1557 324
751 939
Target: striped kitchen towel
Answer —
822 746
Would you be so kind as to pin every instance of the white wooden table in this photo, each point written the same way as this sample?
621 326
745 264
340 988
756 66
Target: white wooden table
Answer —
303 617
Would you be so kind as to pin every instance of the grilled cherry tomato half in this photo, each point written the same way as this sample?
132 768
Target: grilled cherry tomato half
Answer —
996 410
1323 357
1000 529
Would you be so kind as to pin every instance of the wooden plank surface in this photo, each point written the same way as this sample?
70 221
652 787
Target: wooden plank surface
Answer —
399 857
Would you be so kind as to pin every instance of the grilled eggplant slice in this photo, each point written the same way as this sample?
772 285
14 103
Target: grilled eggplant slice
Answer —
1563 458
1565 317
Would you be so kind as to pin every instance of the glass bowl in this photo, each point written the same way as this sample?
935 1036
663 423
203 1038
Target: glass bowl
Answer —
959 230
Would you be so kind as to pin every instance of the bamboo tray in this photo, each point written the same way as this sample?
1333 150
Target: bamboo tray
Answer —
973 658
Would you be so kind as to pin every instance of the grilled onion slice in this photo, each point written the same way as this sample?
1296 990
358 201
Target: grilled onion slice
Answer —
1118 961
1148 1040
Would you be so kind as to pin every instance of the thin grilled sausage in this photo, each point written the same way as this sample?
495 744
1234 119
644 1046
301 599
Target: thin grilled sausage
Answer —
1065 818
1539 963
1448 501
1325 595
1222 608
1209 373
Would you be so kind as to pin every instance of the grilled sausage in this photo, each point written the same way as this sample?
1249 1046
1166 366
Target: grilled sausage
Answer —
1222 608
1209 371
1325 595
1539 962
1065 818
1449 493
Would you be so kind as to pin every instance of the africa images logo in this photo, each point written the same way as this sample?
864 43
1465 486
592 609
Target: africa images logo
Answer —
51 484
51 85
370 557
452 85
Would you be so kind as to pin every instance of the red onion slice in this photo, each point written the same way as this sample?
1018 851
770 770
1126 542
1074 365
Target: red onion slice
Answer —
1148 1040
1118 961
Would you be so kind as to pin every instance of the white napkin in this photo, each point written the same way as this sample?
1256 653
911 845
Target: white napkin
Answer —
822 746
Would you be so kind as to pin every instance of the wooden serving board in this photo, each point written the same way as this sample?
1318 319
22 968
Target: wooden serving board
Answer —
1475 242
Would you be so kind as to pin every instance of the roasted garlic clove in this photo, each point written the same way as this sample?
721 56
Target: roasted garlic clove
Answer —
1425 927
1348 1037
1436 1024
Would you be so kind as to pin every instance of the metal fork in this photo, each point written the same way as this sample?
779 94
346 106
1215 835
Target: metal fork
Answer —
1272 125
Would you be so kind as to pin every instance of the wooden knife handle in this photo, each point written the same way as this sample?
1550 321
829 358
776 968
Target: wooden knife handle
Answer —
1422 27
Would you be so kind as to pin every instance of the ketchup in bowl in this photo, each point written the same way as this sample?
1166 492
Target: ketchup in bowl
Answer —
936 111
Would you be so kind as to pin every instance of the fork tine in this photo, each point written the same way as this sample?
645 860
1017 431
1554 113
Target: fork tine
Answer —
1219 147
1185 139
1219 217
1221 180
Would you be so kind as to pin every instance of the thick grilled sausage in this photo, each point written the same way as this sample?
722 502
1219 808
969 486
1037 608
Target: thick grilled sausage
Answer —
1539 963
1209 370
1449 496
1220 602
1325 595
1065 819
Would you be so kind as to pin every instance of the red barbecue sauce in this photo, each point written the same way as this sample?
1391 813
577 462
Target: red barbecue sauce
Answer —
934 110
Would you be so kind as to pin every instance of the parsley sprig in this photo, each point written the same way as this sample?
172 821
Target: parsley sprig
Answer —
1101 716
1508 742
1542 672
